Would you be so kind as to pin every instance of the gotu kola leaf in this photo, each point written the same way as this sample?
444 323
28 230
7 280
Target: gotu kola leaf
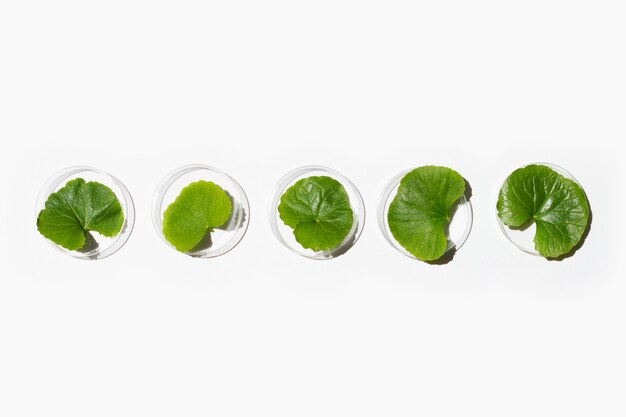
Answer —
78 208
557 205
199 208
421 209
318 210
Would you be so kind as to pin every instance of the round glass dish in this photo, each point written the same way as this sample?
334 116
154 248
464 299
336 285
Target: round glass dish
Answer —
285 234
457 231
523 238
97 246
222 239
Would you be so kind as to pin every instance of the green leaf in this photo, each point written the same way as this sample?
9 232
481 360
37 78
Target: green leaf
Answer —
199 208
421 209
319 212
557 205
76 209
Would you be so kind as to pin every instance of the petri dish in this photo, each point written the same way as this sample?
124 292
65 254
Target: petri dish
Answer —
523 238
457 231
285 234
97 246
222 239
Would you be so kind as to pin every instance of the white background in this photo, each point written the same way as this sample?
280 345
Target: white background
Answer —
258 88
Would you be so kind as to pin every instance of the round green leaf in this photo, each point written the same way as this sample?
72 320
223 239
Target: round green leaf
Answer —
319 212
76 209
557 205
199 208
421 209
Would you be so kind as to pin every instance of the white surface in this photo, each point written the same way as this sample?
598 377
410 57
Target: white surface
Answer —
256 89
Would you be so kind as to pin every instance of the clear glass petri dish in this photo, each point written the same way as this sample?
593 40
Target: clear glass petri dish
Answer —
222 239
285 234
523 238
98 246
457 231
